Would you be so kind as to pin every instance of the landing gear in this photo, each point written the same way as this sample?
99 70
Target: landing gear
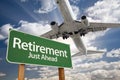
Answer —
65 35
82 32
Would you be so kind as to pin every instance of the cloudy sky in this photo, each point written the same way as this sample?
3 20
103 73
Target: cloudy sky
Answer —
34 16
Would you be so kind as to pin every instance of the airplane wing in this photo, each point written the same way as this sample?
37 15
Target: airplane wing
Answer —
50 35
107 25
77 54
54 32
101 26
84 26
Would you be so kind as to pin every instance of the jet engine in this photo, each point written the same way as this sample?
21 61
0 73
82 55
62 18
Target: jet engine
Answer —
54 27
84 21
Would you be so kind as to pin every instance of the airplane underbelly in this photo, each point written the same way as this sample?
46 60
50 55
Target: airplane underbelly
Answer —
68 28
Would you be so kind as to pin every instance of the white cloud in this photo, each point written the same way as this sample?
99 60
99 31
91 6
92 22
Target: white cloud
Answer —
34 28
42 71
31 69
2 74
1 36
95 75
27 27
114 53
105 11
88 63
6 41
4 30
92 36
75 1
83 69
46 6
105 75
97 71
76 11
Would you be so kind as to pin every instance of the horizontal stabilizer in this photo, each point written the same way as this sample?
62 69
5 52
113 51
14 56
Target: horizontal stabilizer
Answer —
88 52
94 51
77 54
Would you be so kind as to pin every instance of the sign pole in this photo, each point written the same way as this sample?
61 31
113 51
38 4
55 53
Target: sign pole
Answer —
21 71
61 74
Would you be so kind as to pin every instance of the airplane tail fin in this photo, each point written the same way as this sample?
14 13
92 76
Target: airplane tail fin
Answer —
88 52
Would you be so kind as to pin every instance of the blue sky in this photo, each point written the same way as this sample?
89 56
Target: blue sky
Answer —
33 16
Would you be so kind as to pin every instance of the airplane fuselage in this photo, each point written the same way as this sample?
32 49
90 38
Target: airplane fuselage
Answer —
69 27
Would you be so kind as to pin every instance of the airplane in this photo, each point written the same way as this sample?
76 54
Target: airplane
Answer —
75 29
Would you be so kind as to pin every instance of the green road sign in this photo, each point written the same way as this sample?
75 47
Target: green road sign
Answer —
29 49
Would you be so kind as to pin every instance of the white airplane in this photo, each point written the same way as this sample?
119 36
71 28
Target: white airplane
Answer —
75 29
